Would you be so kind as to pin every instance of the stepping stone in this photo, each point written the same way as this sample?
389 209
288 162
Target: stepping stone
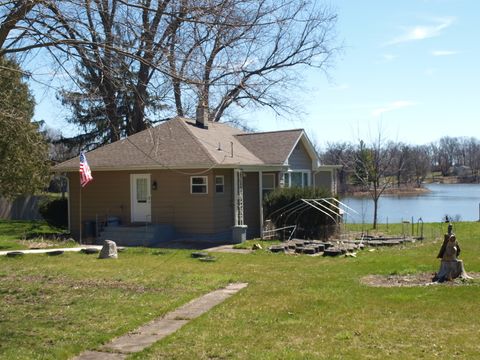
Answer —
197 255
89 251
332 252
309 250
277 248
55 252
15 253
208 259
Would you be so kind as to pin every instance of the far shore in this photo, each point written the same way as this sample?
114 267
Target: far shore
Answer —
402 191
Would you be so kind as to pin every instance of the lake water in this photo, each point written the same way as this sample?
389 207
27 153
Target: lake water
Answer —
458 201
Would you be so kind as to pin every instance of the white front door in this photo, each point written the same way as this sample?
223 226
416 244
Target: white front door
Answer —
141 197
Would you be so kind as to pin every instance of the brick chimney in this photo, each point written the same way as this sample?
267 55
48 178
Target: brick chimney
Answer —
202 116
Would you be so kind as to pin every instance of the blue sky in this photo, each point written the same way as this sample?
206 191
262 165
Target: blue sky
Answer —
410 68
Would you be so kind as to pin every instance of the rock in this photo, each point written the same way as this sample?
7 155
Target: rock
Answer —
15 253
109 250
332 251
277 248
198 254
89 251
257 247
55 252
208 259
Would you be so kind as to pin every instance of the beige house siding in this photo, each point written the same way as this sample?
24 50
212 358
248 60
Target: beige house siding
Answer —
108 194
299 158
172 203
251 204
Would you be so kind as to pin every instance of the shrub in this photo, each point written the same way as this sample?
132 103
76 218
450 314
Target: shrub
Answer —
55 212
283 208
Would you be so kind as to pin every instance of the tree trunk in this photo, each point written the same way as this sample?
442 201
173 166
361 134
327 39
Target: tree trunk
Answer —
450 270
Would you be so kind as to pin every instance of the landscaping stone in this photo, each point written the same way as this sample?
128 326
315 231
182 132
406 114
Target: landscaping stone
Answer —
277 248
109 250
299 249
55 252
15 253
309 250
90 251
198 254
208 258
332 252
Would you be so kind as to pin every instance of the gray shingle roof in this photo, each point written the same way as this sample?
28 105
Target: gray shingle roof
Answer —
271 147
179 143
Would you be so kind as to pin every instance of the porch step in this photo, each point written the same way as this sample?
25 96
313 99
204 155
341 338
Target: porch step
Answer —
150 235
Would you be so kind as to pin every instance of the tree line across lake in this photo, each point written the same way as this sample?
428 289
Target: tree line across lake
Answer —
381 165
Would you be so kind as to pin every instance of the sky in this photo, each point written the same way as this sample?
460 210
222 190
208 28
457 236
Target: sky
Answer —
408 69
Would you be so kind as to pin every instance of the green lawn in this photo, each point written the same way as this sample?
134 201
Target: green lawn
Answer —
295 307
12 232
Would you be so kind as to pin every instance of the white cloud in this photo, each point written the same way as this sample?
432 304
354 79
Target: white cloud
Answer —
444 52
400 104
389 57
421 32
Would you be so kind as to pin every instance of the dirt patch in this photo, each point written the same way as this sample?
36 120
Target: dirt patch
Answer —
79 284
421 279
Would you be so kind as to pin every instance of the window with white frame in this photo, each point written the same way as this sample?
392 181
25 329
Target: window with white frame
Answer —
299 178
268 183
219 184
198 184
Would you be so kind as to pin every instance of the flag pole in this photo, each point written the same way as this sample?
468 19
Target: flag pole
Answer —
80 213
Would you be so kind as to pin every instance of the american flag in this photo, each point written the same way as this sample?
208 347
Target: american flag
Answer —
85 173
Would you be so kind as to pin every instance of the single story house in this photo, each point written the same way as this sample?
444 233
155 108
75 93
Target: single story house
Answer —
202 179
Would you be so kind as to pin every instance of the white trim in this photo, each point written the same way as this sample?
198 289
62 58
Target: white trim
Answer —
223 184
235 197
309 147
302 171
205 184
293 148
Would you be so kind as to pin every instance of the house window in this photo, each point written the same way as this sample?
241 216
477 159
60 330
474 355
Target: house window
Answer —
296 179
268 183
198 185
219 184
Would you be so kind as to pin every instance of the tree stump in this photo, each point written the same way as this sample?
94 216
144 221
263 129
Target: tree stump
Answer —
449 270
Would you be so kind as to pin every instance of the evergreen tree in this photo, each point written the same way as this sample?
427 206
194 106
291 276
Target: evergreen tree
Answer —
23 151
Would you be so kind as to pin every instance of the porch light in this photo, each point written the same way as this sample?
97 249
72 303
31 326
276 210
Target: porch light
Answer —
154 185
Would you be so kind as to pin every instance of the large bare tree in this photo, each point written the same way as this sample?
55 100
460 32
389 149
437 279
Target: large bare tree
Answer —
141 61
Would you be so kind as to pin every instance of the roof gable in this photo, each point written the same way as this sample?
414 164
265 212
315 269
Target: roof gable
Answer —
271 147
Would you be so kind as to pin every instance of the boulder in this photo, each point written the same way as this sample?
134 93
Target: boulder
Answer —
109 250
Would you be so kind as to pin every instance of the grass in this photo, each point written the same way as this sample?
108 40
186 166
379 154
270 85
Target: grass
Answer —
19 234
295 307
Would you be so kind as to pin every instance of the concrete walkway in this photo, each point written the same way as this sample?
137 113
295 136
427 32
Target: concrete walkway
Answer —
46 250
229 249
157 329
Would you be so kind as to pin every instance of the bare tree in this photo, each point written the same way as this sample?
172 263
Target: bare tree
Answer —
138 62
371 166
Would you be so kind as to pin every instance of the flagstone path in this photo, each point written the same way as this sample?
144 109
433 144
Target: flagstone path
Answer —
47 250
148 334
